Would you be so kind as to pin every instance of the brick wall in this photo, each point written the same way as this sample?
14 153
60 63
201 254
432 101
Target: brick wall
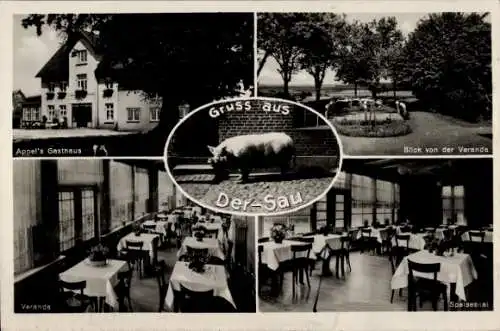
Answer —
309 141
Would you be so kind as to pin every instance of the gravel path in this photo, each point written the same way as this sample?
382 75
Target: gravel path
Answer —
262 195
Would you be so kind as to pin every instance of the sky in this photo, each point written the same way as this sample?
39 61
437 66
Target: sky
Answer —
30 54
269 75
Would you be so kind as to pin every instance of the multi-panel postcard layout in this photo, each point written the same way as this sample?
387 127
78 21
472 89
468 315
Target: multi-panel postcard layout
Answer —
243 162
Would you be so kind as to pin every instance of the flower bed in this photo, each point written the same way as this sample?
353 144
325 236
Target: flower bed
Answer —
384 126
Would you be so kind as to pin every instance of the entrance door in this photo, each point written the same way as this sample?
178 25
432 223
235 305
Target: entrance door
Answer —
82 114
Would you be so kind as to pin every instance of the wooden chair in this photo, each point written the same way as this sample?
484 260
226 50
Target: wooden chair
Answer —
123 290
135 255
419 287
160 270
367 241
191 251
193 301
300 265
212 234
477 236
72 302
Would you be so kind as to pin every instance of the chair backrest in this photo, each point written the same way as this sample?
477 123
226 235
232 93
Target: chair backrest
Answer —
473 235
197 251
73 286
402 237
353 233
428 268
305 240
134 244
301 248
263 240
366 232
195 295
149 227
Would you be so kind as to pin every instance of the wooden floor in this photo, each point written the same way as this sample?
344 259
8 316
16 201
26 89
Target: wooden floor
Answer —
366 288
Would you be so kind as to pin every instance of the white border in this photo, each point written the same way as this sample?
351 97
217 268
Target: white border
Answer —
206 107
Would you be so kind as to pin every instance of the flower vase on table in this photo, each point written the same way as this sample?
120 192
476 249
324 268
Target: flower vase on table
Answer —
198 232
278 232
98 256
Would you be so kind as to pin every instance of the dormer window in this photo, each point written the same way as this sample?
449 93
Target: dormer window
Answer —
109 84
81 57
63 86
51 87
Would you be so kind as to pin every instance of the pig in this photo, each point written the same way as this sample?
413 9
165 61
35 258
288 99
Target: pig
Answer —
247 152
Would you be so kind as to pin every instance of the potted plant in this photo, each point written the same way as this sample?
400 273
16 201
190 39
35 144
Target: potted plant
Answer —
199 232
50 95
98 256
137 229
278 232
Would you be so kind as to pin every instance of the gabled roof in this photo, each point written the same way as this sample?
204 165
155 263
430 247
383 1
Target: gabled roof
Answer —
57 67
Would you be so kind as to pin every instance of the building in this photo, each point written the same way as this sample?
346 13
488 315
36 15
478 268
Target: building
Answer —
31 111
71 91
18 98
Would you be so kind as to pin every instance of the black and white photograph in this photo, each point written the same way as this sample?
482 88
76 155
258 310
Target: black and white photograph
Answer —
96 236
253 155
391 235
391 84
115 85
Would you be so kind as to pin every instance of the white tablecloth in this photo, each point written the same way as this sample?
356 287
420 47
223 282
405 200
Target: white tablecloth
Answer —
457 269
212 244
333 240
488 237
214 278
379 233
100 280
213 226
273 254
170 218
145 238
160 226
416 241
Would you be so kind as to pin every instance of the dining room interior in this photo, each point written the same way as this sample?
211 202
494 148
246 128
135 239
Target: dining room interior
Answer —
117 235
390 235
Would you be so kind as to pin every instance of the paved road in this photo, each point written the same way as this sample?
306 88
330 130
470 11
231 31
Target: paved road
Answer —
429 131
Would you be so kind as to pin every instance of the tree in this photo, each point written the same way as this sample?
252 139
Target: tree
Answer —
448 62
193 57
278 36
371 47
355 67
321 36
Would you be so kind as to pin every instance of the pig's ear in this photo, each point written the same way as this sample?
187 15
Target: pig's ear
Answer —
211 149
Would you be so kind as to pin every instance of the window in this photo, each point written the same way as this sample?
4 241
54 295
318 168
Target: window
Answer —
339 211
109 85
51 87
81 57
133 114
154 114
62 111
88 214
63 86
385 201
27 114
299 219
51 112
453 204
110 112
362 200
77 216
67 236
183 110
82 81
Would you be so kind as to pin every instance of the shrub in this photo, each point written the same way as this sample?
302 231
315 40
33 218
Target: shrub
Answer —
384 128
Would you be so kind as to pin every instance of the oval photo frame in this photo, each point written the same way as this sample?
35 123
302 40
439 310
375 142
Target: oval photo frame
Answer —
267 143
